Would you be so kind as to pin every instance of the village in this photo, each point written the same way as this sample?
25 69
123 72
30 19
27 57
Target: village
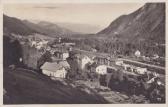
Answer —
62 61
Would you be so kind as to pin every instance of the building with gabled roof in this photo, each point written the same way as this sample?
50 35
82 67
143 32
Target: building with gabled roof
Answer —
65 64
54 70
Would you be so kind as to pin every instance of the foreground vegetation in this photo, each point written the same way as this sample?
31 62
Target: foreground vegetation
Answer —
28 87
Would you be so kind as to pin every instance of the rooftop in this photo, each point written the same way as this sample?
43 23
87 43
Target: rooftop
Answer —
64 64
51 66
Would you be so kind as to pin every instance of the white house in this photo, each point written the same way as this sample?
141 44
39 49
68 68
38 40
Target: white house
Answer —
137 53
65 64
53 70
65 55
69 44
126 66
155 56
33 43
52 51
93 50
38 47
59 40
41 44
48 48
119 62
21 59
44 42
83 60
141 70
101 69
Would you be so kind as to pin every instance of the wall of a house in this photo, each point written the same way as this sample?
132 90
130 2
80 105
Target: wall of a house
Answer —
65 55
60 73
84 61
101 69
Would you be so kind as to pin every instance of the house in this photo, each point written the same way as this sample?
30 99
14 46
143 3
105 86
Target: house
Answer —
83 60
61 54
20 59
155 56
54 70
48 48
101 60
59 40
52 51
22 42
141 70
33 43
45 42
93 50
128 67
65 64
40 43
137 53
65 55
70 49
146 58
38 47
61 62
69 44
101 69
119 62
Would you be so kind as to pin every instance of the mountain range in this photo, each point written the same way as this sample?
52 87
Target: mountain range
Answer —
145 24
14 25
25 27
79 27
48 28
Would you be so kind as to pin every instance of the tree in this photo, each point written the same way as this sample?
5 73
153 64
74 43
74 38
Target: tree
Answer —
46 57
108 78
12 51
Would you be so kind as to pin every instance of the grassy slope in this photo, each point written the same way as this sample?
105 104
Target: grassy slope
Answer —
24 87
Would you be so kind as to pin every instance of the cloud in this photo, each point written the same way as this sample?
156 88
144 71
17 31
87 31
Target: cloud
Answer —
46 7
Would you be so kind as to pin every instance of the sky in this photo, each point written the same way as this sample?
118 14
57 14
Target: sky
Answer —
93 14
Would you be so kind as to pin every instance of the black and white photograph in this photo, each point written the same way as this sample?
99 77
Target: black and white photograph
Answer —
84 53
